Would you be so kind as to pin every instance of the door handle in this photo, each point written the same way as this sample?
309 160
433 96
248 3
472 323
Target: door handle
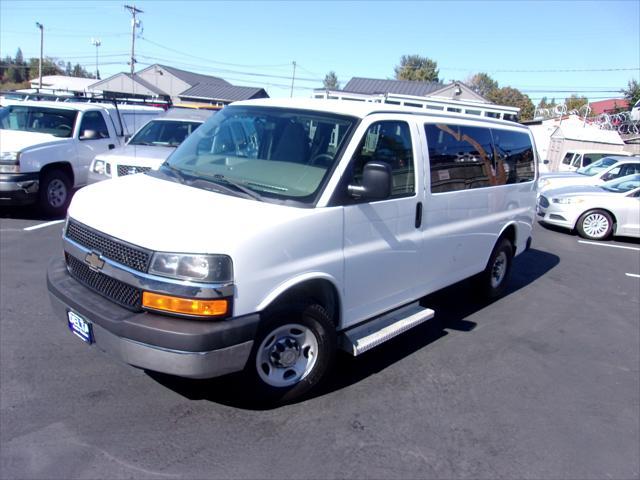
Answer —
418 215
111 146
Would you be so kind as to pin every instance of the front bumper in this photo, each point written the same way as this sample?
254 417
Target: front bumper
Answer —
186 348
556 214
19 188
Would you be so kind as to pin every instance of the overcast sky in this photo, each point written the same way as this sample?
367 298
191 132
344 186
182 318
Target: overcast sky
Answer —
550 48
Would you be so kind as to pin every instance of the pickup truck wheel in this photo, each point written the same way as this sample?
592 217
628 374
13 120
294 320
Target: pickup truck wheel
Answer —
494 279
293 351
55 192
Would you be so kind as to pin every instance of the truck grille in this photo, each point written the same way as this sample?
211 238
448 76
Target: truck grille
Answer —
115 290
130 170
126 254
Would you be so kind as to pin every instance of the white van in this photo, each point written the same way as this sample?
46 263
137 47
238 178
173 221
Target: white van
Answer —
281 230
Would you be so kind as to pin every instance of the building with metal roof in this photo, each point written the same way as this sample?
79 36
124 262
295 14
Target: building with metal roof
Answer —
172 85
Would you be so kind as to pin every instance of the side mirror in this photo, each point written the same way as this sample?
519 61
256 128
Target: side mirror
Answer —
89 135
376 182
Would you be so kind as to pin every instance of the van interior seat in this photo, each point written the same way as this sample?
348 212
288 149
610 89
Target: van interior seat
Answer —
292 145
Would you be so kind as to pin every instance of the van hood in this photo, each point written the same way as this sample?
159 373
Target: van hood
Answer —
139 155
165 216
18 141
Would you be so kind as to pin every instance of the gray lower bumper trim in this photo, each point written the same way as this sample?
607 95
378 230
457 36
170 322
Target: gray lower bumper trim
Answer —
183 364
209 364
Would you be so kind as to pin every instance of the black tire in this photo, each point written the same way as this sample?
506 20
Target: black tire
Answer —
300 334
494 279
54 192
595 225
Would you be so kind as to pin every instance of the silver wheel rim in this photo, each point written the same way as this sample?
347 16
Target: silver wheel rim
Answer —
595 225
287 355
56 193
499 269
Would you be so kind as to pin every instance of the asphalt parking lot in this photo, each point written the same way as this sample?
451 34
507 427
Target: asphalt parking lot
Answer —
543 383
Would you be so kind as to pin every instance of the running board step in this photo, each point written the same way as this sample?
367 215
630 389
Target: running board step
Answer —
377 331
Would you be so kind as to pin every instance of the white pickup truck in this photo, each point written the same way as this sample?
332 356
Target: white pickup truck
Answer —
46 147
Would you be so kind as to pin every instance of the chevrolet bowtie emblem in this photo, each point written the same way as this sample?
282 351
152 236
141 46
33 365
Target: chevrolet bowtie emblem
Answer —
94 261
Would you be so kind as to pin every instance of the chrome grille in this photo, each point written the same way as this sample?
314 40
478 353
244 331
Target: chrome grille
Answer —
131 169
126 254
115 290
543 202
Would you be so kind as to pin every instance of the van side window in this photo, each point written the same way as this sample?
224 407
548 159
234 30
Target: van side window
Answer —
514 156
389 142
461 157
94 121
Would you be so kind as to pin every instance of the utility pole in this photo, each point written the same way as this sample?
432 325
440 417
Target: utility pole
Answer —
96 43
133 10
293 78
41 27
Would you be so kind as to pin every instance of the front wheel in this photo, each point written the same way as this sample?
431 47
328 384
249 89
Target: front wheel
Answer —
54 192
293 351
494 279
595 225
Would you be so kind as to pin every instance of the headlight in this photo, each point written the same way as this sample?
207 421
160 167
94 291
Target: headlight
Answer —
9 157
100 167
198 268
567 200
9 162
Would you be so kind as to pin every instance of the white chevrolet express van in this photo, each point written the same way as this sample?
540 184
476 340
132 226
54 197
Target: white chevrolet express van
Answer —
281 230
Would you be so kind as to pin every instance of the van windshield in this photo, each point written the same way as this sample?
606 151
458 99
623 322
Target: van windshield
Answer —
279 153
54 121
597 167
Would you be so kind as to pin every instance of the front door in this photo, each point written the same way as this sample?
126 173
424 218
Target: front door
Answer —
383 238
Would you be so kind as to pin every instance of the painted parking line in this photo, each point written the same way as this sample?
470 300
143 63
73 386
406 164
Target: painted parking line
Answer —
632 275
42 225
608 245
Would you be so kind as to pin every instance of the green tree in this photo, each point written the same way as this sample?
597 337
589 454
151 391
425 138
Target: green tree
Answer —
330 81
513 97
415 67
482 84
632 92
574 102
49 67
544 103
79 71
17 72
68 70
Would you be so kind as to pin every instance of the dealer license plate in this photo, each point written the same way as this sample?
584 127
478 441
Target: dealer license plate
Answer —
80 327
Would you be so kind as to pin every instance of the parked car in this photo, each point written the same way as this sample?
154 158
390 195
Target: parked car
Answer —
605 169
635 112
595 211
282 230
150 146
46 147
575 159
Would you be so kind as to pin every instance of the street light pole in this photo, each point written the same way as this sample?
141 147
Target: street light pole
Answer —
133 11
96 42
41 27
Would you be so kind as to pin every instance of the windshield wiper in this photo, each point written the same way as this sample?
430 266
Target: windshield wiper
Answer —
221 180
175 172
253 194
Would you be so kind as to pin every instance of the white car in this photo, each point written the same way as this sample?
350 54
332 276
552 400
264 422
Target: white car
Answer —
605 169
150 146
595 211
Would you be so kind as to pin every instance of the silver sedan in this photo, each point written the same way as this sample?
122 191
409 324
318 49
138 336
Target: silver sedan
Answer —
595 211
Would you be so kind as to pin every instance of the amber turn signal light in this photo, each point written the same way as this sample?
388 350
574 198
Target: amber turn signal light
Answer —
185 306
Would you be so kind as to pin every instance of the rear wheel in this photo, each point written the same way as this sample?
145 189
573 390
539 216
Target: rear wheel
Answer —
293 351
494 279
54 192
595 225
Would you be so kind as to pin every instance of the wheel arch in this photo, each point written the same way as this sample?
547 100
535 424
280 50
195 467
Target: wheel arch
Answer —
62 166
510 232
313 287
